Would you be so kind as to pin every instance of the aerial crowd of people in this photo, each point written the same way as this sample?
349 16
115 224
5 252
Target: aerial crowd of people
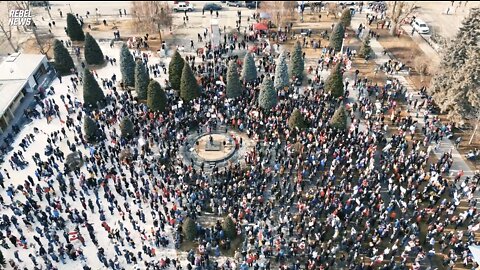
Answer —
369 197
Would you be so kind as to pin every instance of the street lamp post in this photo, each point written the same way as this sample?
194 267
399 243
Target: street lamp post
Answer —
343 42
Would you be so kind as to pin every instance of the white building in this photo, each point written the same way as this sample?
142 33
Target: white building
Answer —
19 73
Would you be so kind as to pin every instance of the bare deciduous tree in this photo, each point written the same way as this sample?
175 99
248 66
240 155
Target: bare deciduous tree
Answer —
21 4
7 32
152 16
6 28
399 11
43 38
332 8
281 12
422 67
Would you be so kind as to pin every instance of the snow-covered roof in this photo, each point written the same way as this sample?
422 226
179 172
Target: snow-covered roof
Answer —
14 73
19 66
8 92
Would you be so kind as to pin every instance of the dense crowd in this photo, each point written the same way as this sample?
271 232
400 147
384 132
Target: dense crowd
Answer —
319 198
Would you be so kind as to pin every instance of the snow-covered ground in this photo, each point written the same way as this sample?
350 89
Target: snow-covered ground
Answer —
18 177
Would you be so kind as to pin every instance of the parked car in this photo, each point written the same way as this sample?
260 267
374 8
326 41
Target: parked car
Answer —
39 3
211 6
234 3
346 3
252 4
183 6
420 26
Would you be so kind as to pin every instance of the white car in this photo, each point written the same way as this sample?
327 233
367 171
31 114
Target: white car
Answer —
234 3
420 26
183 7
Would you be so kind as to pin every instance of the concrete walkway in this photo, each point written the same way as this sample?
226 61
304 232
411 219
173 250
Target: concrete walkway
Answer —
446 145
422 43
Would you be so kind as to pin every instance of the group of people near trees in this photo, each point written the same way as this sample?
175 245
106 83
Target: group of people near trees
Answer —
323 188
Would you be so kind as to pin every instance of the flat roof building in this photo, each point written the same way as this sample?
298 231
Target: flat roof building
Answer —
19 73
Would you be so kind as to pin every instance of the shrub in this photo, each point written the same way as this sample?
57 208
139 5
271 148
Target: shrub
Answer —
127 128
229 228
92 132
365 50
296 120
189 229
74 160
339 119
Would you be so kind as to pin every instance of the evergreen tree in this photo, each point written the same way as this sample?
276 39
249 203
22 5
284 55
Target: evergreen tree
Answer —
74 30
189 88
229 228
189 229
462 99
63 60
337 36
127 66
365 50
249 70
281 72
157 100
339 119
3 263
267 99
92 93
93 53
346 17
141 80
92 132
453 86
296 120
334 82
175 69
455 53
470 82
297 64
126 128
234 86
